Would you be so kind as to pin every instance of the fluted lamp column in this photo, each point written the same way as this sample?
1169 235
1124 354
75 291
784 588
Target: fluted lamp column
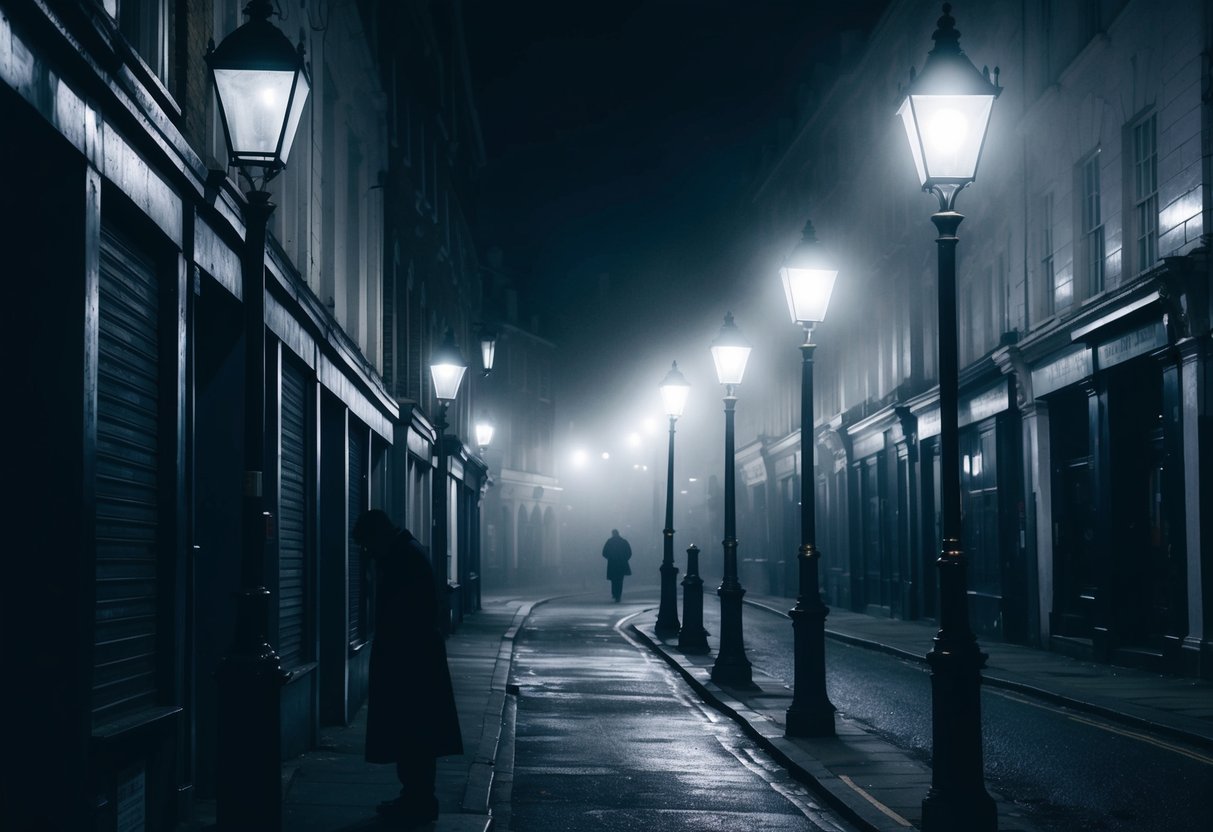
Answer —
730 352
808 280
945 113
674 389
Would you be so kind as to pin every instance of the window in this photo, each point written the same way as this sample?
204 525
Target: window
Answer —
145 25
1145 191
1049 290
1091 223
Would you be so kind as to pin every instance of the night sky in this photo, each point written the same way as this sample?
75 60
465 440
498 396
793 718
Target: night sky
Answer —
622 141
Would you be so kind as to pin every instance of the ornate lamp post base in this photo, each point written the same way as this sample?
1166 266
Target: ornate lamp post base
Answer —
958 799
692 638
732 668
667 616
811 713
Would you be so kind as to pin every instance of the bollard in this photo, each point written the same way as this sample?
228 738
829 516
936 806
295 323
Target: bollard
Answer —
692 637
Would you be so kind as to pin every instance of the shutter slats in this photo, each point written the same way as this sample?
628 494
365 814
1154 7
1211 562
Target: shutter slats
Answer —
292 520
127 483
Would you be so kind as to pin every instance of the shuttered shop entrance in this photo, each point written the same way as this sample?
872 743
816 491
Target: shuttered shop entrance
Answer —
128 460
293 517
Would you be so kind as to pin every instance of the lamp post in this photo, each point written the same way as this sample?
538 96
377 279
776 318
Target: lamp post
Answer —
674 389
808 280
730 352
447 368
945 112
261 84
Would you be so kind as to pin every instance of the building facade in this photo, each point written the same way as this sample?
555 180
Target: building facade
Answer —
123 234
521 520
1083 281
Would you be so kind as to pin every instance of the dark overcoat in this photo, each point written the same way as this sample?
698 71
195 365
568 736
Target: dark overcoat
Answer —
617 552
411 703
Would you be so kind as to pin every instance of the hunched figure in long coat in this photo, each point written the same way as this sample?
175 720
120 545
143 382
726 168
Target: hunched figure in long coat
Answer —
411 717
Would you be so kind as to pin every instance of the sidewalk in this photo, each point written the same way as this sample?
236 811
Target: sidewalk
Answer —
333 788
877 785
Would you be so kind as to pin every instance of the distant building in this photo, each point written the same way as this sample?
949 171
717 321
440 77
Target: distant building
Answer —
1084 274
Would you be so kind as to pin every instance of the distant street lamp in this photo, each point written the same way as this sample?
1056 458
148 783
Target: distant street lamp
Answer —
447 368
730 352
484 433
808 279
945 112
674 390
488 349
261 84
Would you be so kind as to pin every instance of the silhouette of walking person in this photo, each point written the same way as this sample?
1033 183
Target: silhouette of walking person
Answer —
411 718
617 552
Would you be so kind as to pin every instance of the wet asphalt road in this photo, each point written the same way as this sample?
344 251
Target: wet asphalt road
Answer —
1068 771
608 738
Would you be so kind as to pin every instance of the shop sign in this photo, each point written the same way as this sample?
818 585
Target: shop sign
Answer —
754 472
1130 345
874 443
1070 368
928 423
985 404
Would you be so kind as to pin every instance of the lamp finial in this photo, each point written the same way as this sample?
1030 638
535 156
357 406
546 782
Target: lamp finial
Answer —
947 36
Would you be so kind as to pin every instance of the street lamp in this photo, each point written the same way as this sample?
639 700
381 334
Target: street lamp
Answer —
674 390
730 352
945 112
484 433
261 84
447 368
808 280
488 349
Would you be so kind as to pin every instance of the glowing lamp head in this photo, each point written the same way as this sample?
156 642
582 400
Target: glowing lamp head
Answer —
484 432
674 389
261 84
730 352
946 110
488 350
447 368
808 279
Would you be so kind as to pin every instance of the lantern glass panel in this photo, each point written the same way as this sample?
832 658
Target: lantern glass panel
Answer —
484 433
447 378
302 88
254 103
948 132
674 397
730 362
808 292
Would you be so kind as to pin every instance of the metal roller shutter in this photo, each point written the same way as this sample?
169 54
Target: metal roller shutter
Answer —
293 514
127 483
357 503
